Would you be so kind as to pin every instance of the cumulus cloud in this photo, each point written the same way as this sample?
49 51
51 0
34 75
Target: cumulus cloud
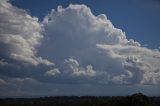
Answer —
141 64
53 72
20 65
86 49
20 34
74 69
99 49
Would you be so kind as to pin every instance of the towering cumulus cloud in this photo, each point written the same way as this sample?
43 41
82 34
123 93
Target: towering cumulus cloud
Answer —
86 50
91 47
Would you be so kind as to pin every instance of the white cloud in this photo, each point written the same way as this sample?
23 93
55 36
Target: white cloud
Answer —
141 63
53 72
84 47
73 68
88 51
96 44
20 34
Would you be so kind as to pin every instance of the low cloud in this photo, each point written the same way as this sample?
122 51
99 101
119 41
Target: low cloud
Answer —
53 72
73 68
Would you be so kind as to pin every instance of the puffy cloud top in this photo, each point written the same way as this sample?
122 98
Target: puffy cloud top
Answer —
86 49
95 43
19 35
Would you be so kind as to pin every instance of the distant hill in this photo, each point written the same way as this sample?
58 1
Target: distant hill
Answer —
137 99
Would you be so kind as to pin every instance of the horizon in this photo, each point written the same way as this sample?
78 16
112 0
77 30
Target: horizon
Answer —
79 96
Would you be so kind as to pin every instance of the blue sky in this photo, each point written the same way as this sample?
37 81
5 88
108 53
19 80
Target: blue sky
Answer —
79 47
139 19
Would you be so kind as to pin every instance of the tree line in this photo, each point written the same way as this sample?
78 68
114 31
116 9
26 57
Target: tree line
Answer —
134 100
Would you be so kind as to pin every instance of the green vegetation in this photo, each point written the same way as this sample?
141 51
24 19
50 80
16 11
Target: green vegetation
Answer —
133 100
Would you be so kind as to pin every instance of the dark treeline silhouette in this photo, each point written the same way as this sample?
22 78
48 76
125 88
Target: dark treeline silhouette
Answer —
134 100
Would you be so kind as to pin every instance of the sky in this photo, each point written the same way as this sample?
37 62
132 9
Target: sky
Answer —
79 47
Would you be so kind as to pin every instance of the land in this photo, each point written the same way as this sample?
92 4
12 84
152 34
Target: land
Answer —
137 99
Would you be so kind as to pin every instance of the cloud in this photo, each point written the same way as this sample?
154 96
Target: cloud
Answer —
14 87
94 43
3 63
20 34
20 64
2 82
53 72
89 53
141 64
74 69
